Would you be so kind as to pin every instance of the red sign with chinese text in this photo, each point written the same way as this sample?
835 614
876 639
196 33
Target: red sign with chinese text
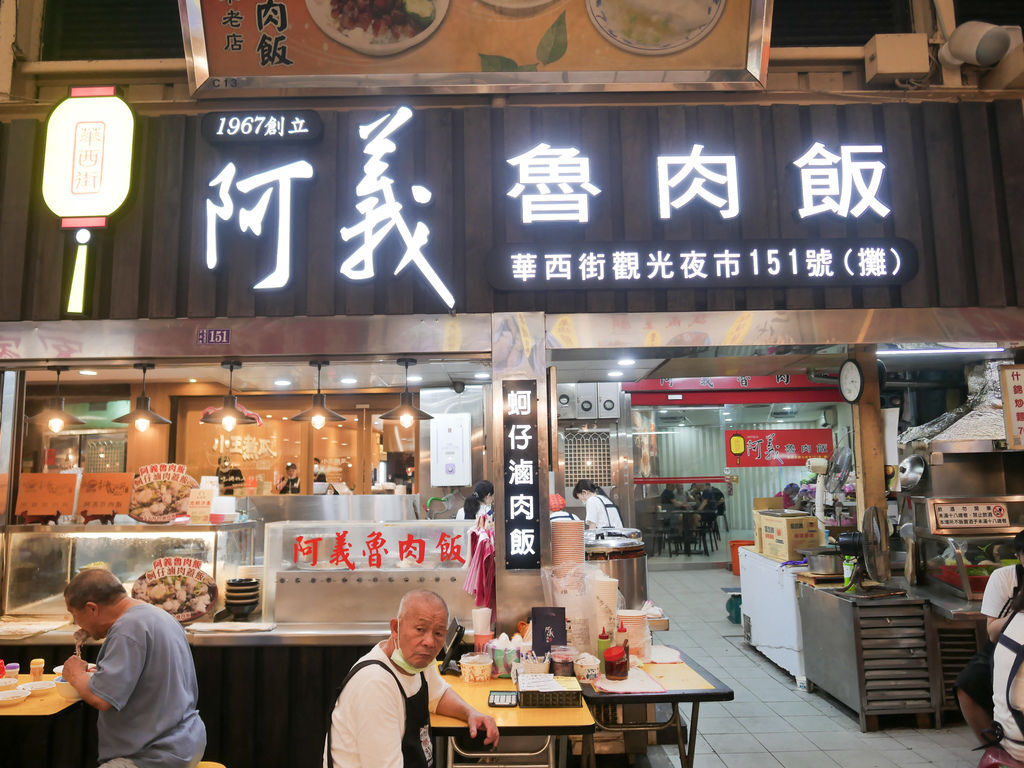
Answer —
776 447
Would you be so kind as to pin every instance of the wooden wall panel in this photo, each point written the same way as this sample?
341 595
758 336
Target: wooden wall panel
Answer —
16 195
954 182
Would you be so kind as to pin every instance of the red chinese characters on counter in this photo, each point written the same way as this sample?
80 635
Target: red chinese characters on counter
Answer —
410 549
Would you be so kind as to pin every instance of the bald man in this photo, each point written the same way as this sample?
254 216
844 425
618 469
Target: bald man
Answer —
144 685
381 717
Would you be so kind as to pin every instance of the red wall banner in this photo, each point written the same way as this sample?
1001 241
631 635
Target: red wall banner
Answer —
776 447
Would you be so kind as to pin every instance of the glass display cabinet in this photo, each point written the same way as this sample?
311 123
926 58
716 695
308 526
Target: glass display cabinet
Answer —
961 565
42 559
355 573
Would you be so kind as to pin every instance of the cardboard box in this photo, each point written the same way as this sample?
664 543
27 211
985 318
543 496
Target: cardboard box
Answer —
784 534
762 504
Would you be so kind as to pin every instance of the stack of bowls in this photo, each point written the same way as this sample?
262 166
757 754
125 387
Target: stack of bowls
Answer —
242 596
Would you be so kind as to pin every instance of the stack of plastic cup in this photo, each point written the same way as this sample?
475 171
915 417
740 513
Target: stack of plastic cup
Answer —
482 633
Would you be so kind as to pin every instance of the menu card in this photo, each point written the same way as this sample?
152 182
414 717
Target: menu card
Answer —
548 628
105 494
45 494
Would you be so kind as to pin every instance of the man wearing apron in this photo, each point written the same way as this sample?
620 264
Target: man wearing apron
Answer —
381 715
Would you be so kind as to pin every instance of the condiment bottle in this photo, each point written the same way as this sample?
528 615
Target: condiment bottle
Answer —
13 668
36 670
604 642
616 667
3 669
620 634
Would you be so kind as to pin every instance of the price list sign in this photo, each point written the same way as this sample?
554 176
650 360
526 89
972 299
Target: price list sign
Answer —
1011 377
522 488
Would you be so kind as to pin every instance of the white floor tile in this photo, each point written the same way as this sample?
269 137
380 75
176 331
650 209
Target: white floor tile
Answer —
734 743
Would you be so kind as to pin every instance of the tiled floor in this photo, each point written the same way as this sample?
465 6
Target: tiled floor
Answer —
771 723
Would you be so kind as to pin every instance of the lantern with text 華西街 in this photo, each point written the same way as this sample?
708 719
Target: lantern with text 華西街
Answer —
87 169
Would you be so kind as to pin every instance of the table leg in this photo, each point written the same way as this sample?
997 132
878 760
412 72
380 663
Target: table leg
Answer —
449 752
686 757
589 757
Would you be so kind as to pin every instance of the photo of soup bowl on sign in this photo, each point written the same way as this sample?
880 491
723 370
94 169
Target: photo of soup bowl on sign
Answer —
378 27
654 27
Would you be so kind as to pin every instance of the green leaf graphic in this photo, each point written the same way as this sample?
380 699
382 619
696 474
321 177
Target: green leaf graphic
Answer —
552 46
490 63
527 67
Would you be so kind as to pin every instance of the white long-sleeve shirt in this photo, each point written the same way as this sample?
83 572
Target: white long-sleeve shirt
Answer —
368 721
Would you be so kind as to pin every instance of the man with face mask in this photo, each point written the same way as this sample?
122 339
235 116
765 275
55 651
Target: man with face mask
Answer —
381 716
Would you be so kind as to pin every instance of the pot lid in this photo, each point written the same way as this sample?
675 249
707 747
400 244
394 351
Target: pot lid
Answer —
612 538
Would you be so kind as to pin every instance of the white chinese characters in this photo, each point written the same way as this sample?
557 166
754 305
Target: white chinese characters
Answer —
695 172
382 212
545 167
829 182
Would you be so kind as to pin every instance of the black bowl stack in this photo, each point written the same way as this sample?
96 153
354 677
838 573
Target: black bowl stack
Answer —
242 596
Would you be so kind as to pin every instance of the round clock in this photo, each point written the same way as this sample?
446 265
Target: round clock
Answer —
851 381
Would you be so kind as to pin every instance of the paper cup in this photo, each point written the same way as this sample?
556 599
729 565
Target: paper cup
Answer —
480 641
481 621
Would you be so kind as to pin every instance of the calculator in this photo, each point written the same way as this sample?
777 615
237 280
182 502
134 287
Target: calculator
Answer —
502 699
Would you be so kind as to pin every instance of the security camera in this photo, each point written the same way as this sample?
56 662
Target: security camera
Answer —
459 387
975 42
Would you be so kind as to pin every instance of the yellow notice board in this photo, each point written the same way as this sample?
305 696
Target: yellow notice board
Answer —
481 45
42 493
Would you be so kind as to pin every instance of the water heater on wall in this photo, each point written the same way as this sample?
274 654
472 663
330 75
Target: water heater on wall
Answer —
608 400
586 400
565 395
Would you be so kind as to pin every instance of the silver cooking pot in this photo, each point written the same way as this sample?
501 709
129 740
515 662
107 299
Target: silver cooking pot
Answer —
823 560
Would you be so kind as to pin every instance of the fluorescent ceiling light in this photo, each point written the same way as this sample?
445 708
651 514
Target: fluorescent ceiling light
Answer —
348 380
87 373
626 362
282 383
938 351
192 381
614 374
415 379
481 375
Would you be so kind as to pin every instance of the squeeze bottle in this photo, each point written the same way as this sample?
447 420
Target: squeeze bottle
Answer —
604 641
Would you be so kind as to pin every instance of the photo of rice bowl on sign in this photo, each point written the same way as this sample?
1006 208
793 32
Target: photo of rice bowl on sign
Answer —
654 27
378 27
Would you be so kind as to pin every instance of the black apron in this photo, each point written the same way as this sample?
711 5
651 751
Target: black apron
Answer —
417 747
610 506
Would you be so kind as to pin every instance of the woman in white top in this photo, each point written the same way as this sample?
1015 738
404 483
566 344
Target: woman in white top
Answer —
479 503
1008 682
601 510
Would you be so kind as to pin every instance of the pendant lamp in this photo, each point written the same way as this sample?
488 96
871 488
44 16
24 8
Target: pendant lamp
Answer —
319 414
406 413
53 415
143 416
230 413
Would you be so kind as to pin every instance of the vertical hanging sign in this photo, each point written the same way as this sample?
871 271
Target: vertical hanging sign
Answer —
1011 378
522 487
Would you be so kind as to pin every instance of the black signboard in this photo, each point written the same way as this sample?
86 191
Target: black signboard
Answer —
522 485
782 263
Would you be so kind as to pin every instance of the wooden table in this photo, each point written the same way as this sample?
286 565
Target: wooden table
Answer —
39 705
685 682
41 731
513 721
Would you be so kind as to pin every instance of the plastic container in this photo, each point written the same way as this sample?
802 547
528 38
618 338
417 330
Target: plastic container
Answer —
476 667
13 669
36 670
562 657
734 549
586 667
616 665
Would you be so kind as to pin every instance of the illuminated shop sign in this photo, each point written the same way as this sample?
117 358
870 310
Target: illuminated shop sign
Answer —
522 484
703 264
87 170
776 447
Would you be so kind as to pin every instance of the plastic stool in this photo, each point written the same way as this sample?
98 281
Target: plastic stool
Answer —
996 757
732 608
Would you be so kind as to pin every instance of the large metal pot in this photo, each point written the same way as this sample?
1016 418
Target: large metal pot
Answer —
619 552
823 560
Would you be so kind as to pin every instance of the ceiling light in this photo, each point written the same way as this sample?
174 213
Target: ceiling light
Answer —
938 351
663 410
406 413
53 415
143 416
282 383
318 414
230 413
191 381
481 375
415 379
626 362
348 380
87 373
614 374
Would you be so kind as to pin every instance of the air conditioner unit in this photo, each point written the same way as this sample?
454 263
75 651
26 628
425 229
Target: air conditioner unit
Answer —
608 400
586 400
565 396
